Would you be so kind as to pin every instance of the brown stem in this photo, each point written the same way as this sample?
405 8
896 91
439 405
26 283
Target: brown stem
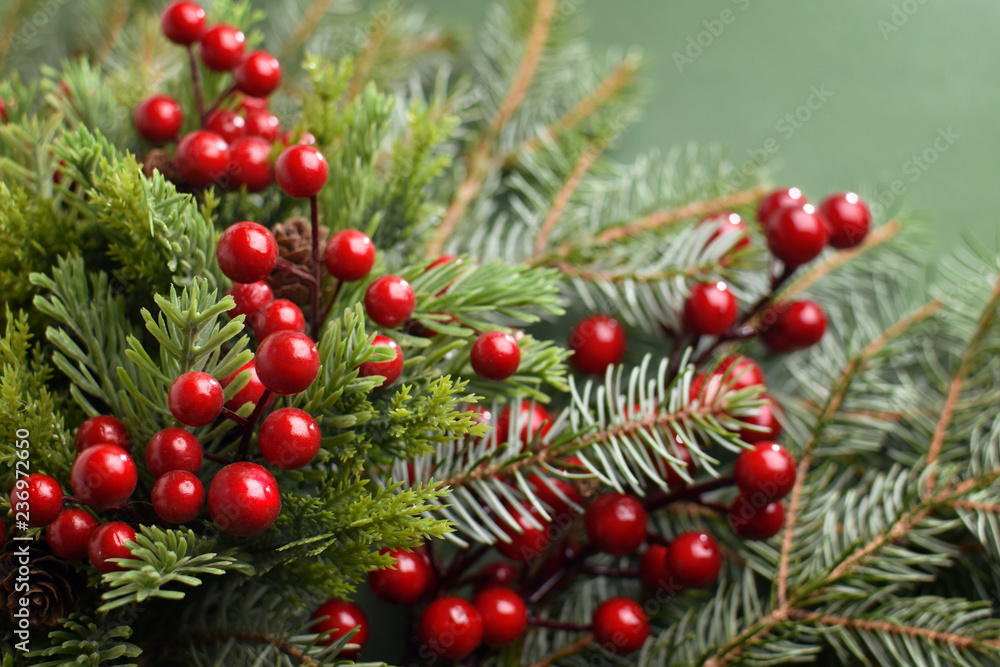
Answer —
288 267
218 101
566 651
886 627
461 563
196 81
693 492
564 195
258 410
333 300
230 414
217 458
317 276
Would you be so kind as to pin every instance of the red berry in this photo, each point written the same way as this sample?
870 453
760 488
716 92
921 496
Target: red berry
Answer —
301 171
451 628
847 217
349 255
247 252
264 124
799 325
495 355
70 533
248 103
620 626
597 341
499 573
742 372
107 542
533 419
711 308
287 362
289 438
102 430
195 399
342 617
695 559
259 74
202 158
389 301
183 22
227 124
173 449
680 451
158 119
705 392
504 615
390 370
243 499
796 234
277 315
728 223
654 573
403 583
250 164
251 393
767 469
753 520
4 118
103 476
530 543
249 297
543 488
178 496
616 523
222 47
777 200
765 418
36 499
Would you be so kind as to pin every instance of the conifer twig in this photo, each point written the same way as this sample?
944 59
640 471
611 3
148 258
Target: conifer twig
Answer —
887 627
366 59
565 652
114 23
564 195
251 638
199 99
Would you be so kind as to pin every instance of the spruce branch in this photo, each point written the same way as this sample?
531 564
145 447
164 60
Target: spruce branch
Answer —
562 198
254 638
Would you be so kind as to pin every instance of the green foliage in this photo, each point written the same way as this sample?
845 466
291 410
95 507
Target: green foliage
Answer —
81 640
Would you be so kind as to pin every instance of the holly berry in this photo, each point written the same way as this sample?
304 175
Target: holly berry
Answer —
404 583
799 325
251 393
711 308
528 544
504 615
728 223
495 355
389 301
847 217
243 499
249 297
158 119
695 559
777 200
173 449
4 118
742 372
195 399
248 103
499 574
277 315
69 534
247 252
559 502
259 74
653 570
221 48
390 370
289 438
37 496
349 255
796 234
616 523
264 124
767 469
250 164
202 158
301 171
753 521
765 418
227 124
597 342
451 628
287 362
107 542
103 476
341 617
102 429
183 22
178 496
533 418
620 625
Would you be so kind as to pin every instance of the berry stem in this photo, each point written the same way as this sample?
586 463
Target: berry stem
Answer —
258 410
196 80
573 559
661 499
603 571
314 219
333 300
216 457
288 267
558 625
218 101
460 564
229 414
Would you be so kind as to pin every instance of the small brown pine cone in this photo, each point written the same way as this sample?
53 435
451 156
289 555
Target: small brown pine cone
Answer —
294 237
162 162
54 586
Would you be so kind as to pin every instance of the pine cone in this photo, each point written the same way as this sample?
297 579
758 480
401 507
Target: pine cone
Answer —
294 237
54 585
161 161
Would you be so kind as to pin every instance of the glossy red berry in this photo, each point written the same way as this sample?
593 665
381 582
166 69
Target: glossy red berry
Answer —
36 499
248 103
711 308
495 355
616 523
195 399
531 542
3 118
221 48
766 418
289 438
403 583
277 315
767 469
173 449
597 342
389 301
796 234
390 370
287 362
243 499
559 503
183 22
259 74
69 534
848 219
498 574
755 520
777 200
264 124
341 617
227 124
740 372
158 119
103 476
798 325
620 626
108 542
178 496
102 430
249 297
349 255
250 164
533 419
247 252
250 393
301 171
680 451
695 559
451 628
654 573
202 158
504 615
728 223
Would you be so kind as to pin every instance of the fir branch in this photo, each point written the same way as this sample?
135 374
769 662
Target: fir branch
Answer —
562 198
254 638
366 58
118 15
889 627
571 649
307 23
